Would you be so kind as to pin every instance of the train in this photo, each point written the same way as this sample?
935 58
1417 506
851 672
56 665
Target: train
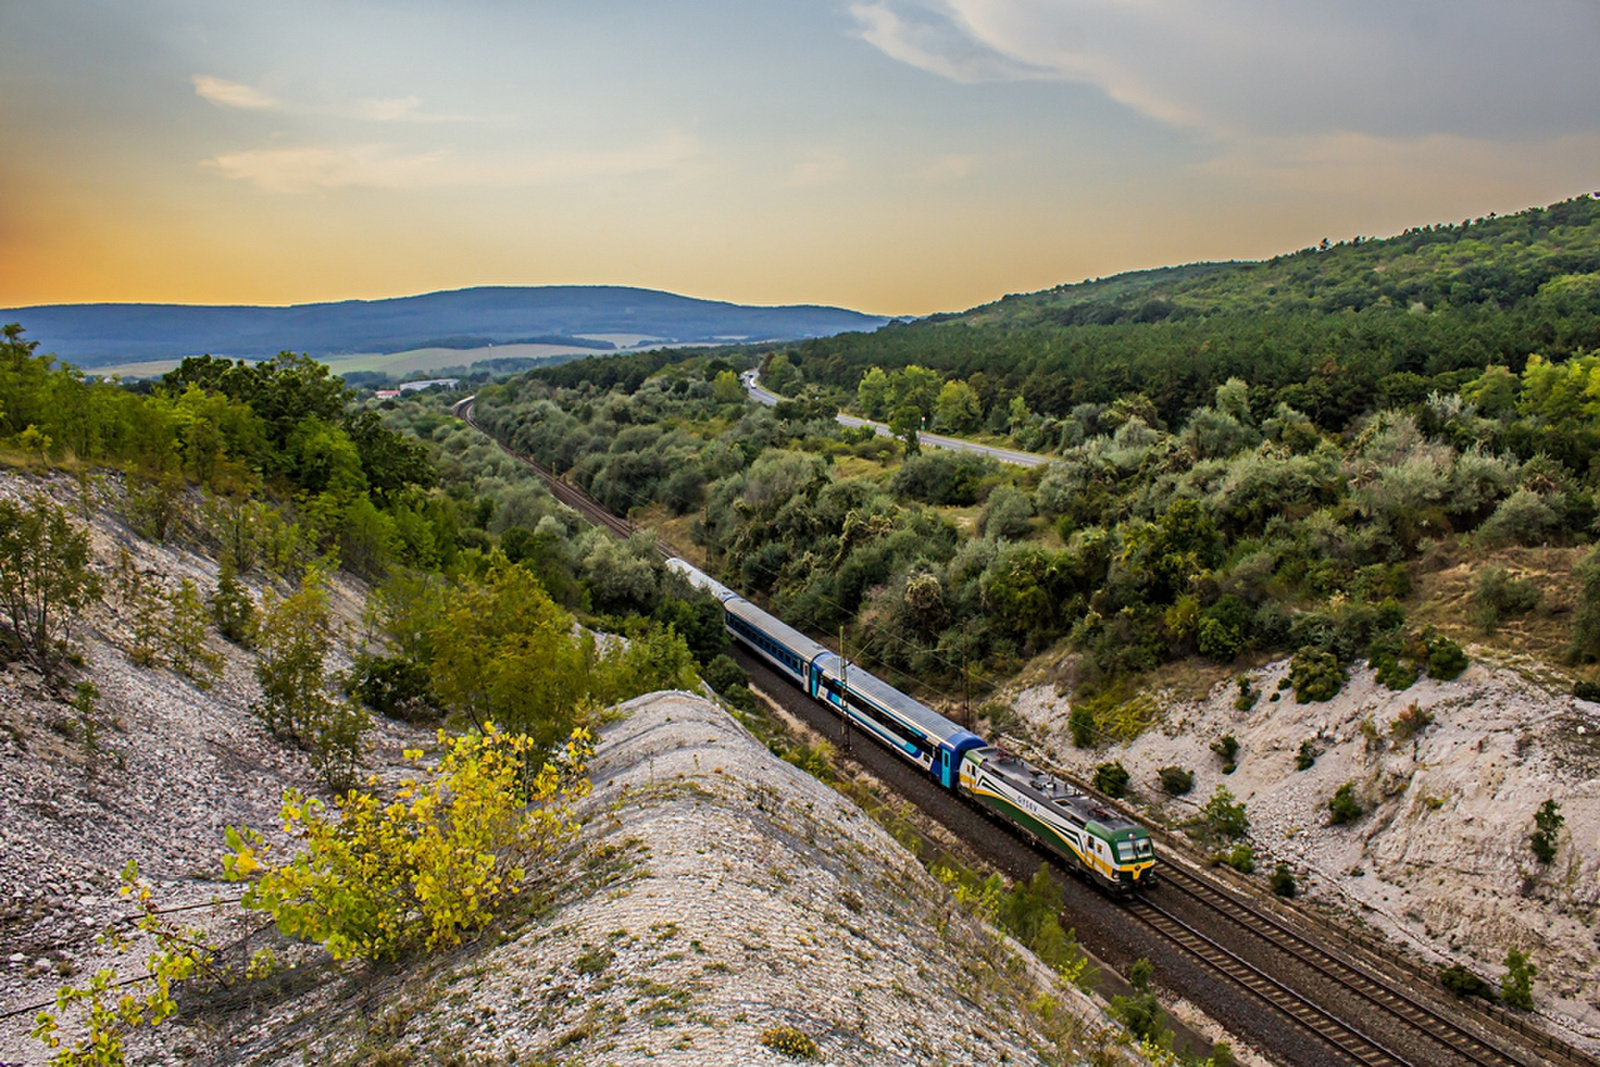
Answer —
1108 850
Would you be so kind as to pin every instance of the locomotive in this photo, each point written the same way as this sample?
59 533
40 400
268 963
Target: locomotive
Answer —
1109 850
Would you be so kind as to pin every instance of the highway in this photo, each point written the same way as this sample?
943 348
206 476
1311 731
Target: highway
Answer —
752 386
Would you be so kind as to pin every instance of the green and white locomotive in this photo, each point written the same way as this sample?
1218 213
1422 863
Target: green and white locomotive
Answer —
1112 852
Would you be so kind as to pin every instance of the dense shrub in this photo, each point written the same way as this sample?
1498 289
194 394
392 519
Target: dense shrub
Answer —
944 477
1175 781
1547 822
1343 807
1516 985
394 686
1240 857
1496 594
1282 881
1463 983
788 1041
1111 779
1316 675
1306 758
1227 748
1224 816
1446 660
1082 726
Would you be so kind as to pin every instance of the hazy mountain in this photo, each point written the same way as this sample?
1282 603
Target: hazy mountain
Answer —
92 335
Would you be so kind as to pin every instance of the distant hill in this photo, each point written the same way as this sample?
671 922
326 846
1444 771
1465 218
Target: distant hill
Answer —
92 335
1330 330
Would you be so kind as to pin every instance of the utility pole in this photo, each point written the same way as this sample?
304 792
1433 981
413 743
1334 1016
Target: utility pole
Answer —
966 686
844 692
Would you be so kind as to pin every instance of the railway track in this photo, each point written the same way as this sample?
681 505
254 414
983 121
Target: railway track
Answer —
1334 1031
1431 1036
1452 1039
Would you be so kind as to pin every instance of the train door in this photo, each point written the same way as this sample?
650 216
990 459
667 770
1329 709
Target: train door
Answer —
944 766
816 682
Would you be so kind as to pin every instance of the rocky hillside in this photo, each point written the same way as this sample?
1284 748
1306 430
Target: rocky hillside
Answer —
720 906
1439 859
725 898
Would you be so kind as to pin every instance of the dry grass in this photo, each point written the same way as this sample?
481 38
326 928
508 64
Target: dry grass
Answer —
1443 599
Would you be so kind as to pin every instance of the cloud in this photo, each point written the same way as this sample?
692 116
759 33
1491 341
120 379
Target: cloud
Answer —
1472 68
1434 169
948 168
231 94
404 107
823 169
301 169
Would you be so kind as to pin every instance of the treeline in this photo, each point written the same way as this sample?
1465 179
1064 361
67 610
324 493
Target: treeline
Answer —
1327 330
1234 531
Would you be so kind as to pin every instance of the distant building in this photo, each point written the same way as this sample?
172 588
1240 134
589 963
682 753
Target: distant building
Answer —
441 383
388 394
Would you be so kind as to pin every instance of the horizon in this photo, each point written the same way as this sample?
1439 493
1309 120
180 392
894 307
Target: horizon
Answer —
894 157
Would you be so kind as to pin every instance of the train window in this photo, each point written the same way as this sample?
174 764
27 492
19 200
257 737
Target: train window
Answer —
1125 851
1146 850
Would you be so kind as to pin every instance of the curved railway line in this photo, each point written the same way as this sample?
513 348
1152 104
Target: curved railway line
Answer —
1375 1013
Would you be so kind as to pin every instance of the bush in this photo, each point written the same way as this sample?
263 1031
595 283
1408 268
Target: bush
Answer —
1585 690
295 703
1248 694
1306 758
1410 723
231 607
394 686
1343 807
1463 983
1547 823
1111 779
1446 660
1217 641
788 1041
729 681
1496 594
1282 881
381 879
1241 858
1175 781
1516 986
1227 747
1224 816
1081 723
1316 675
1394 671
1584 646
44 579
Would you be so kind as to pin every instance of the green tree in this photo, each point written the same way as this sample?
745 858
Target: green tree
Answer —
187 624
296 704
232 609
726 388
1516 986
872 393
45 579
1547 822
1225 816
957 408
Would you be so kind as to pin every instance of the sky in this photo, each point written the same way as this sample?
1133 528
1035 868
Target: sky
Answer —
893 156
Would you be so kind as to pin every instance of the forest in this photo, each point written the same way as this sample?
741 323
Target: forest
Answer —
1257 473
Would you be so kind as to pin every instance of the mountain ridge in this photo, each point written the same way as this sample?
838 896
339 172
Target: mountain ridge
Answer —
99 334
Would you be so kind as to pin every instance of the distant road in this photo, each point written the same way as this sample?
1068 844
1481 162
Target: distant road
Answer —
752 385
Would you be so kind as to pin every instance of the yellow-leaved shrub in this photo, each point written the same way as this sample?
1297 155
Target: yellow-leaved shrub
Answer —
375 879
